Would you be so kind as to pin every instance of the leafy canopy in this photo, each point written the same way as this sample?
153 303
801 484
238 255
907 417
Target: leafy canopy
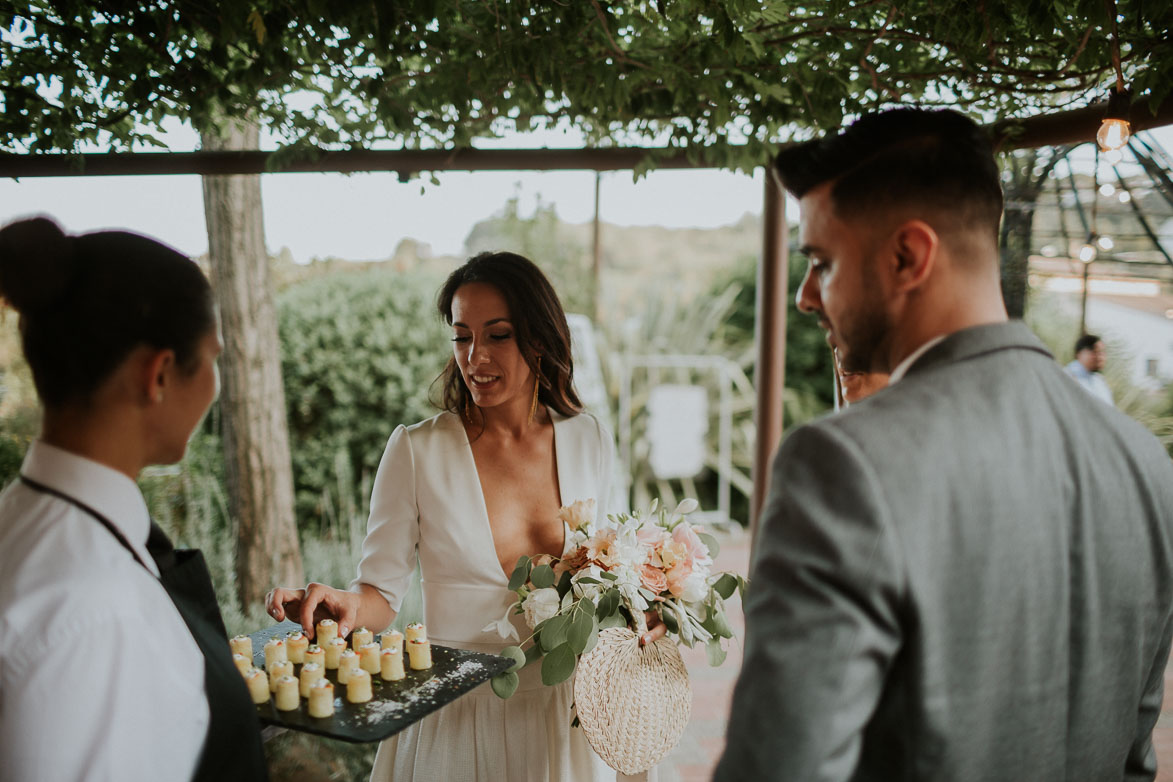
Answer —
727 75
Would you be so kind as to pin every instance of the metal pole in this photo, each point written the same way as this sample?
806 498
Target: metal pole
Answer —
1083 301
597 249
770 337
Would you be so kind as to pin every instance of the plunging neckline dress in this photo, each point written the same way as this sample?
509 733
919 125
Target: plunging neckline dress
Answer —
427 497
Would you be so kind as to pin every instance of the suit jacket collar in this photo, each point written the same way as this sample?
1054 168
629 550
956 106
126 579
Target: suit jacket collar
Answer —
978 341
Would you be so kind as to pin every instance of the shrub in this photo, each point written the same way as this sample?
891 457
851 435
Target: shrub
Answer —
359 353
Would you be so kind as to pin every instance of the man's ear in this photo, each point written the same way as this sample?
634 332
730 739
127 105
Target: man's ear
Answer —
915 246
158 375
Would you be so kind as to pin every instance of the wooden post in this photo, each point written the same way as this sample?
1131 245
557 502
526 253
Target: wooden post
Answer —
770 338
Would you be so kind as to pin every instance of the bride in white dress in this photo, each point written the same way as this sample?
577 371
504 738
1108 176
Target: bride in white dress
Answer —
471 490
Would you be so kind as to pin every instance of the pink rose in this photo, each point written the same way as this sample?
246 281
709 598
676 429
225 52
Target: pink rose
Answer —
697 551
678 575
653 578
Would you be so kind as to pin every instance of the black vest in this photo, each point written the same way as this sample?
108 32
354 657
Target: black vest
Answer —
232 748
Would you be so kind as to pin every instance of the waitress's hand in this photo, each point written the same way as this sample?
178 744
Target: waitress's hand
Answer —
656 629
314 603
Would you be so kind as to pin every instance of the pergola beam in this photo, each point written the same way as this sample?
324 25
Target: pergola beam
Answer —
1066 127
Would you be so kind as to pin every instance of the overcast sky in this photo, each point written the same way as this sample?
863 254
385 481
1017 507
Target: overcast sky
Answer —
365 216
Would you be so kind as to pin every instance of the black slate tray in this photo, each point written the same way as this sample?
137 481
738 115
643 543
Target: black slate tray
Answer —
394 705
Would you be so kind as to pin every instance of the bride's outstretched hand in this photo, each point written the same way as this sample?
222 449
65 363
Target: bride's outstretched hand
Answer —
312 604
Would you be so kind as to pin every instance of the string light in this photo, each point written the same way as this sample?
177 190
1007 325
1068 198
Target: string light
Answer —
1087 253
1115 130
1105 242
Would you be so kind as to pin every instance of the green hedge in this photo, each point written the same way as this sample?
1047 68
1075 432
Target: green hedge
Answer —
359 352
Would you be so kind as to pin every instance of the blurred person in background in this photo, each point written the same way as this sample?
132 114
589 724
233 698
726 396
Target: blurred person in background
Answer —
1086 368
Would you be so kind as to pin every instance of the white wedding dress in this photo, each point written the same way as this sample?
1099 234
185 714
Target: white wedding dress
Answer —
427 497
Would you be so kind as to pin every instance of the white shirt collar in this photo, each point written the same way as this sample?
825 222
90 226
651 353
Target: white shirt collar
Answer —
103 488
903 367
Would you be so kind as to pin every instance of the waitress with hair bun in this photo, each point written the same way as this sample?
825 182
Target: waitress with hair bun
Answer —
113 658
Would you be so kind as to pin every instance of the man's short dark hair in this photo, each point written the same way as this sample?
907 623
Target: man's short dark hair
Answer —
1086 342
939 160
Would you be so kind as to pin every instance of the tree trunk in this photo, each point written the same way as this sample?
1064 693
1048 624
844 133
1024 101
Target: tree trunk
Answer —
258 469
1017 223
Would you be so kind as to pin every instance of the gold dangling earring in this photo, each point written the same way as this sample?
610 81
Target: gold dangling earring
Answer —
533 407
468 410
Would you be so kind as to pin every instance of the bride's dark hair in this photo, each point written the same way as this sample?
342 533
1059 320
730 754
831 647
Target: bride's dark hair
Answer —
538 321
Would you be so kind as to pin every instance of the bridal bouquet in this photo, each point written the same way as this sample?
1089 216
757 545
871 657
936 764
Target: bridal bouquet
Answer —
617 570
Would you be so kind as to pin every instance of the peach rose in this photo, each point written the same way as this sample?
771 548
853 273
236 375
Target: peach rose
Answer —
677 576
573 562
653 578
578 514
696 550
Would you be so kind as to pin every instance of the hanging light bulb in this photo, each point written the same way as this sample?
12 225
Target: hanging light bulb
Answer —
1115 130
1105 242
1087 253
1107 190
1124 196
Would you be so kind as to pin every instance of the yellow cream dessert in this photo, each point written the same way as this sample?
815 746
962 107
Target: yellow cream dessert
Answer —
295 646
277 671
287 694
347 664
392 664
358 689
360 638
416 632
315 654
327 629
243 664
321 698
258 685
310 673
275 652
334 650
242 644
419 655
368 658
392 638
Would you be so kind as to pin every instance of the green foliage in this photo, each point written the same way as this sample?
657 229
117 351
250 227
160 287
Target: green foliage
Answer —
543 239
730 76
359 353
809 365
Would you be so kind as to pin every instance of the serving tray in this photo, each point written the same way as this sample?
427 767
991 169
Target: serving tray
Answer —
394 705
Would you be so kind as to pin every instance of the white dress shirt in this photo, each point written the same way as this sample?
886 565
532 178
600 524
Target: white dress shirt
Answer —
100 678
1092 382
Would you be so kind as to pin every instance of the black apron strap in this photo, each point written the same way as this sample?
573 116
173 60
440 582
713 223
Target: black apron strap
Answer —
232 749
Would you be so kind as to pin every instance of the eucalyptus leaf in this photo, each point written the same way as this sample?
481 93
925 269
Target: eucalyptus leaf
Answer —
714 651
520 573
564 584
504 684
553 632
607 574
588 580
725 585
582 627
612 620
542 576
711 543
608 603
514 653
558 665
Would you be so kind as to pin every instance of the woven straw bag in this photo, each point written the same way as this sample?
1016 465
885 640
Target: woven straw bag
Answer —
633 702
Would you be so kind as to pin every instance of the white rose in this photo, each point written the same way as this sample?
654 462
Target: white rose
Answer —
540 605
696 588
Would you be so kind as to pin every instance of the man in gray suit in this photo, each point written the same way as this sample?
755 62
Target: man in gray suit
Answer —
969 575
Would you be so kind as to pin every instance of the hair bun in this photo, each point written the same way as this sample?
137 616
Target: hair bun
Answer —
36 263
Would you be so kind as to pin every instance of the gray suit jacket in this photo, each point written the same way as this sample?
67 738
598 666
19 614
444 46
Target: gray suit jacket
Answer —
966 577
